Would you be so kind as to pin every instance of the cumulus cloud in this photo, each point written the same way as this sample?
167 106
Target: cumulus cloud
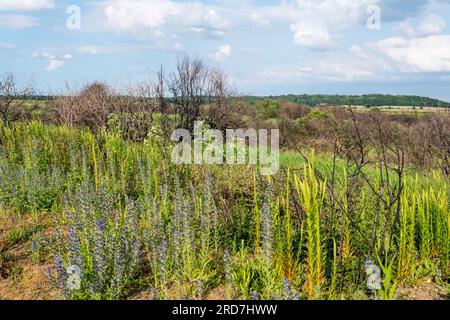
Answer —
17 21
405 28
429 25
223 53
54 63
432 24
259 20
26 5
311 35
160 17
420 47
321 21
313 23
422 54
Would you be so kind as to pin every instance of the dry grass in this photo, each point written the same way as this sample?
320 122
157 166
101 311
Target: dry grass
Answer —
21 279
425 290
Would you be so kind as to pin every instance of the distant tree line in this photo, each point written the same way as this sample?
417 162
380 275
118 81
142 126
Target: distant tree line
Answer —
369 100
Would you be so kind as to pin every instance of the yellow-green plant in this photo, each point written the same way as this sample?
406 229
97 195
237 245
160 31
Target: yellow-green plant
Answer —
311 193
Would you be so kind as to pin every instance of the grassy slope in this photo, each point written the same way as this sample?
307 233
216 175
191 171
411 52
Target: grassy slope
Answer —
39 163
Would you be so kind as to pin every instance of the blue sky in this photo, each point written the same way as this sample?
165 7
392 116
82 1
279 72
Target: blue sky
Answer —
266 47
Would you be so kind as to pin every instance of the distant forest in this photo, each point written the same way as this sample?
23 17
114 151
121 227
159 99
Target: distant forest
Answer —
370 100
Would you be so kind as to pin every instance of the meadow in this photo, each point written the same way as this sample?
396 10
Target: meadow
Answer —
137 226
93 207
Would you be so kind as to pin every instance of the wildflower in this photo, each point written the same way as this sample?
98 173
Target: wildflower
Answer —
100 254
288 292
162 255
74 247
228 267
267 226
60 279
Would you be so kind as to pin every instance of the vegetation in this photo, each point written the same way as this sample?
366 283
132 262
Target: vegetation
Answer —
368 100
359 210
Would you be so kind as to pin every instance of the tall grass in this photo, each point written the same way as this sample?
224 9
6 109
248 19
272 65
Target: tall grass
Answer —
131 220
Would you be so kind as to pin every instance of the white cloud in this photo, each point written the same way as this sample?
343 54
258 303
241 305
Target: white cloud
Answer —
311 35
17 21
429 25
54 64
422 54
26 5
432 24
259 20
313 23
43 55
420 48
156 18
405 28
387 59
223 53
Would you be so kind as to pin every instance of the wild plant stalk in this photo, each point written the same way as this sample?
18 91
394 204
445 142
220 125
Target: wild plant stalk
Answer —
311 193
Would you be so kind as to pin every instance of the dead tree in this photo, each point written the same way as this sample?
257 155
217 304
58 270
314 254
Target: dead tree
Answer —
136 110
188 86
162 104
223 106
12 98
97 102
66 104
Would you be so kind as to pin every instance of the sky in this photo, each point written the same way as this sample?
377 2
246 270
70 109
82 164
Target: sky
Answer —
266 47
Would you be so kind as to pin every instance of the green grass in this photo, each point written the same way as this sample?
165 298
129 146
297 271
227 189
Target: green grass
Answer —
127 217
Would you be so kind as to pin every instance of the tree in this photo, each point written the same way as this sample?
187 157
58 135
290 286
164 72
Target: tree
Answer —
90 106
224 109
97 102
12 98
136 110
66 106
188 86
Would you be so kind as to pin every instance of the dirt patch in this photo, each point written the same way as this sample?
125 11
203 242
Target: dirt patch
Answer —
424 290
31 285
20 278
219 293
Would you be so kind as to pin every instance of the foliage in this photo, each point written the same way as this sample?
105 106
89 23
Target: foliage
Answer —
124 214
